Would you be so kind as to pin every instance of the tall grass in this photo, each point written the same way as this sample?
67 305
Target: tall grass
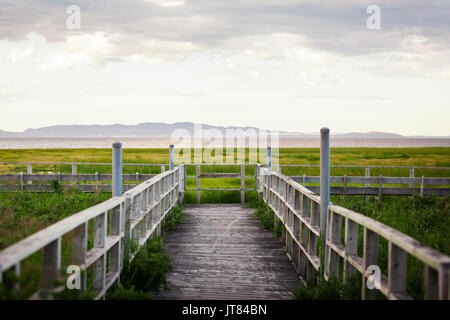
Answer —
23 213
426 219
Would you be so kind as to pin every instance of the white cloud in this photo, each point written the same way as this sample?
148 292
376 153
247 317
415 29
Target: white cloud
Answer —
21 54
24 49
167 3
82 50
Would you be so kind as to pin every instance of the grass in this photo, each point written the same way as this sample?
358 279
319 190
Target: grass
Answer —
265 215
425 219
428 157
147 272
333 289
24 213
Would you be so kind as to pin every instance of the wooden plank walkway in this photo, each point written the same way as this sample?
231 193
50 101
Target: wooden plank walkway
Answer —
222 252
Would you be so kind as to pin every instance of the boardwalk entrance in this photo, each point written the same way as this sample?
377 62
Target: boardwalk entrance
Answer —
222 252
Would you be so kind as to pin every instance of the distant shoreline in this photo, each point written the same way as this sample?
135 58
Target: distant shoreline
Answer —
164 142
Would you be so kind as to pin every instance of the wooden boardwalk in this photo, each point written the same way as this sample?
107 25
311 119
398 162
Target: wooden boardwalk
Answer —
222 252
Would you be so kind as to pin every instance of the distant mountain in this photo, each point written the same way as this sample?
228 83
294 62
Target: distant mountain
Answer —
370 134
147 129
158 129
6 133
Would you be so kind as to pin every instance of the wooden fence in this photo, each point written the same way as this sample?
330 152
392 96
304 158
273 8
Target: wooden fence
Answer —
221 175
136 215
299 210
341 185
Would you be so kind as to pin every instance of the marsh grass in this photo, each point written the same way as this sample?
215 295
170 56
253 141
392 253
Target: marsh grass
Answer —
147 272
23 213
427 157
426 219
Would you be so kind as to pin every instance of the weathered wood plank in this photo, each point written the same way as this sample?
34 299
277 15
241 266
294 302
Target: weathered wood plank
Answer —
221 252
72 177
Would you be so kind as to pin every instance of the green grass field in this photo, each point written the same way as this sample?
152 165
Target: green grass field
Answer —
33 206
427 157
426 219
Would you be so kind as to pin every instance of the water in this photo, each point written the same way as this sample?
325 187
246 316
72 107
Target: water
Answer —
163 142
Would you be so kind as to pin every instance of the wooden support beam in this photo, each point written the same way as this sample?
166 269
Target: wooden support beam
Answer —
242 184
370 257
351 246
51 263
396 270
197 182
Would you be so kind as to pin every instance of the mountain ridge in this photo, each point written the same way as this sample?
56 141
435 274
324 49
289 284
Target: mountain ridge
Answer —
160 129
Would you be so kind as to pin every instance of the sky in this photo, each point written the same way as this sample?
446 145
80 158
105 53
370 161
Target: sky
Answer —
292 65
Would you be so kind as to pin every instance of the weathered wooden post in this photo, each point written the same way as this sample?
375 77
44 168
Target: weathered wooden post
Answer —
269 182
117 170
127 212
181 179
171 157
74 172
367 184
242 184
324 180
29 171
197 182
411 175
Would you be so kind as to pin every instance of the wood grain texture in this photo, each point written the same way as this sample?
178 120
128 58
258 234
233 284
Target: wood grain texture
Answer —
222 252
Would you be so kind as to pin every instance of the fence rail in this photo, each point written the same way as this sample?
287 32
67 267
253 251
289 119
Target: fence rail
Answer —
222 175
298 208
135 215
373 185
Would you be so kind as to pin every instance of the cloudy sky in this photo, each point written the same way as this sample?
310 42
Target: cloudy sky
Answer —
282 64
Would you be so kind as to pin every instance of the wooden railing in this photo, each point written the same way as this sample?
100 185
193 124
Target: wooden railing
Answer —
380 185
136 215
299 210
221 175
83 182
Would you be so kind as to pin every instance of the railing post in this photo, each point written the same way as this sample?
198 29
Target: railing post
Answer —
269 176
444 281
411 175
181 184
100 233
242 184
127 227
367 184
171 157
29 171
51 263
74 172
324 180
422 186
197 181
256 177
79 249
21 180
117 169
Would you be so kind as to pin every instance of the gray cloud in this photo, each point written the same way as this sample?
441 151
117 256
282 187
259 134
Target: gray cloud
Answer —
325 25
